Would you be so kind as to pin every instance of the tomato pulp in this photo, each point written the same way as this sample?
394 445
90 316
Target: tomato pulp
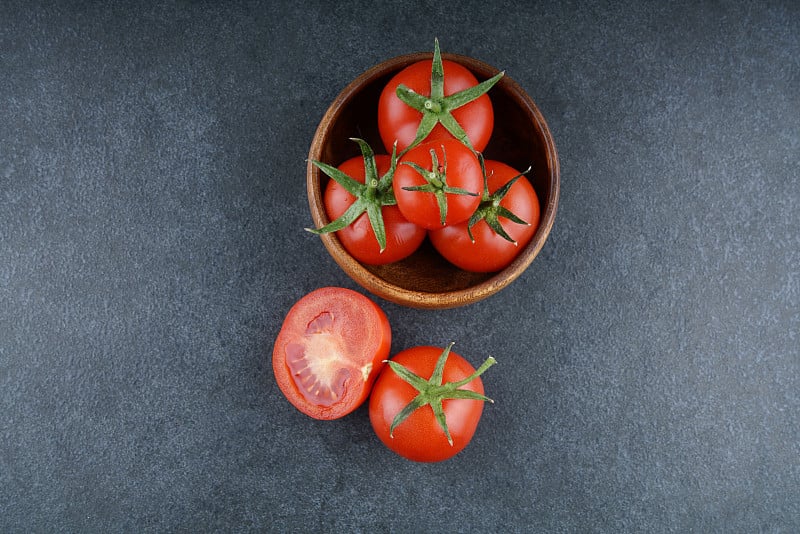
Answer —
329 351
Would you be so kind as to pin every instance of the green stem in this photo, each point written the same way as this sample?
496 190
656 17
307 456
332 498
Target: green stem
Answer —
432 392
437 108
490 208
433 106
436 182
371 196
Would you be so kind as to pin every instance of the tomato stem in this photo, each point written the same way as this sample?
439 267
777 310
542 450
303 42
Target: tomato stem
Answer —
490 210
436 178
371 196
432 392
436 108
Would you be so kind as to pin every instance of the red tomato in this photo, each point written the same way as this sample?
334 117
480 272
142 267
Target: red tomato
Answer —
490 251
445 92
329 351
456 392
438 183
402 236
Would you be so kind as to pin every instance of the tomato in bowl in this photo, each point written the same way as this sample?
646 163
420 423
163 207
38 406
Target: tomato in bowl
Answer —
520 138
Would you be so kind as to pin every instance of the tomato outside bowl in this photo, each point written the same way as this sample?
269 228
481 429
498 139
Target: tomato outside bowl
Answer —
521 138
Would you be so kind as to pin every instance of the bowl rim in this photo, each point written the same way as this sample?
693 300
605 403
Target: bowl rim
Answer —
416 298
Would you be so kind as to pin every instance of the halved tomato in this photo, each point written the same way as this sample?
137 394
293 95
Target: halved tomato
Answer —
329 351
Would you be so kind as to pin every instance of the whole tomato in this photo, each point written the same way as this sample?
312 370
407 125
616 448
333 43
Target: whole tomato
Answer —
360 202
433 100
330 349
438 183
500 228
426 404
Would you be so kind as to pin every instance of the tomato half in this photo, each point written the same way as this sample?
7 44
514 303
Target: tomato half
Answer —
402 236
399 121
490 251
438 183
420 436
329 351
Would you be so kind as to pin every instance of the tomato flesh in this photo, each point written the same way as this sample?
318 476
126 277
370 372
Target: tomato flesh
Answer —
314 361
329 351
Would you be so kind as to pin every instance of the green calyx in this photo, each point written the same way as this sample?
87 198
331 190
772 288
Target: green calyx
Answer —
432 392
437 108
436 182
490 210
371 196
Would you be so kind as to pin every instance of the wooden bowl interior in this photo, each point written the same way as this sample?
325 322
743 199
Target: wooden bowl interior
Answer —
425 279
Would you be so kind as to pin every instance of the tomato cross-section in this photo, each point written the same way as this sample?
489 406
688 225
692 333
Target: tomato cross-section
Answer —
315 363
329 351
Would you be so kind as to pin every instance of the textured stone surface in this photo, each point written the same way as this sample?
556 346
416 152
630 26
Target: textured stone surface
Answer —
152 201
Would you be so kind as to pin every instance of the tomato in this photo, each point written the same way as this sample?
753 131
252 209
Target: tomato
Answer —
329 351
433 100
427 419
402 237
438 183
515 213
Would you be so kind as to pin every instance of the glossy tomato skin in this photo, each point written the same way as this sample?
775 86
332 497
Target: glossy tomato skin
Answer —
463 171
490 252
329 351
398 121
420 438
402 236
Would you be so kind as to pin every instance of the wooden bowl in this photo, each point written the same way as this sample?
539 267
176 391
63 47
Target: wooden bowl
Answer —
425 279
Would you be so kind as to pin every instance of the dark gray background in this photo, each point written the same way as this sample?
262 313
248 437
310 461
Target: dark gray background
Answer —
152 206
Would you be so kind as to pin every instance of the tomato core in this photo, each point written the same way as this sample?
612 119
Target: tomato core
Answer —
330 349
315 362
